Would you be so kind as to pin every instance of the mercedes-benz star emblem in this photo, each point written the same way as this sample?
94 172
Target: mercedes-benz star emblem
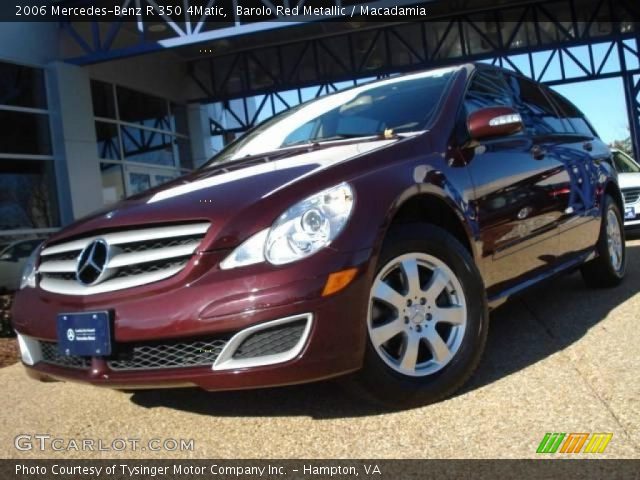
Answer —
92 262
71 335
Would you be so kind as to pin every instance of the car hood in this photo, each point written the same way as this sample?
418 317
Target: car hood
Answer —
219 193
629 180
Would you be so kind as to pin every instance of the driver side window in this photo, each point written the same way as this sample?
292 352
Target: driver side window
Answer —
487 89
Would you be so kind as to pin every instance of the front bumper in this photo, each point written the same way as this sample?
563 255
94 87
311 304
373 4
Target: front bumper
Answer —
217 305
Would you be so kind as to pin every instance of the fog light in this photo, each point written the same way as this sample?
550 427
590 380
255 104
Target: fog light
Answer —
339 280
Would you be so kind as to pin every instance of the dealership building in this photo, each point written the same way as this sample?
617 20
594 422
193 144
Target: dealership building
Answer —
92 112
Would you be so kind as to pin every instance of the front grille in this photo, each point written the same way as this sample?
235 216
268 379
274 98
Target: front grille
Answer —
136 257
52 356
271 341
631 195
169 355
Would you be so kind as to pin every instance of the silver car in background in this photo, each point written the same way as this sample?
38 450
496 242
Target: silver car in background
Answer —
629 179
13 257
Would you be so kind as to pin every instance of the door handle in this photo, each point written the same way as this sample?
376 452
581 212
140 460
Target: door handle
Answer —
538 152
588 146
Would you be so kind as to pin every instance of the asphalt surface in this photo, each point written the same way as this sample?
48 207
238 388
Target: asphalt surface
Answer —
560 359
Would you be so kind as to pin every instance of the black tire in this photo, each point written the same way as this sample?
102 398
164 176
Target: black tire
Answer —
387 387
601 271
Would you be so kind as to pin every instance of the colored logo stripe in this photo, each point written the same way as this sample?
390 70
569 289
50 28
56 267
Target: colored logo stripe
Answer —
598 442
574 442
550 443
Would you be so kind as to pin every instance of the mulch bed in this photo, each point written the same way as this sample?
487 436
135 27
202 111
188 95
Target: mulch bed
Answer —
8 351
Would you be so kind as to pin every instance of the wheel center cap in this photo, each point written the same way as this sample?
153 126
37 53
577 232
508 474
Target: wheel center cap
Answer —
417 314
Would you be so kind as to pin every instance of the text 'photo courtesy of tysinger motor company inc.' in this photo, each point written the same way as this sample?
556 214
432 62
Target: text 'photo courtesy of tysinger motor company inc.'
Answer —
313 239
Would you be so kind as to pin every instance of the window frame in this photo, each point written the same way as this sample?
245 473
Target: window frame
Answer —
26 231
175 170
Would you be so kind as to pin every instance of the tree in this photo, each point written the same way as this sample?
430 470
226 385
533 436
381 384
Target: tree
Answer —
623 145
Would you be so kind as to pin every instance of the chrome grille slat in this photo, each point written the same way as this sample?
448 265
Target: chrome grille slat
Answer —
631 195
138 257
130 236
152 255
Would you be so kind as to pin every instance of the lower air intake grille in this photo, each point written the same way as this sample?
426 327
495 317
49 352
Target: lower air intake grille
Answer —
277 339
52 356
170 355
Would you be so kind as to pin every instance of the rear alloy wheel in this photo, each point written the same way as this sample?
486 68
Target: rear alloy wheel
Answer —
609 267
427 319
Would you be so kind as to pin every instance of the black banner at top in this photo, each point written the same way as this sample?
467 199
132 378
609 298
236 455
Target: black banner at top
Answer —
238 12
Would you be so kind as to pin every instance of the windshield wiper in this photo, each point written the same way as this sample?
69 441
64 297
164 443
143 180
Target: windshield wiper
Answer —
344 136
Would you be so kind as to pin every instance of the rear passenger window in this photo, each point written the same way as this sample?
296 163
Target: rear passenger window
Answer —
574 117
538 114
488 89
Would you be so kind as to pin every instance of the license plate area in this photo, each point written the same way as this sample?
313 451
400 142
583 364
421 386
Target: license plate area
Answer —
629 213
84 334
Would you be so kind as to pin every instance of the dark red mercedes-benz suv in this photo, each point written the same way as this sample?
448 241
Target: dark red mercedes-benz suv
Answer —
366 232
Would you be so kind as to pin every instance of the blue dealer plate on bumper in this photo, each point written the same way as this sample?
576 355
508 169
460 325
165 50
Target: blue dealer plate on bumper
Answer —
84 334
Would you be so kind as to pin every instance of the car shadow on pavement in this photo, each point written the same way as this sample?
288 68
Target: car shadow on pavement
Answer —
527 329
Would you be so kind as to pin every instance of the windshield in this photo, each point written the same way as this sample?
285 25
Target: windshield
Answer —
402 104
624 163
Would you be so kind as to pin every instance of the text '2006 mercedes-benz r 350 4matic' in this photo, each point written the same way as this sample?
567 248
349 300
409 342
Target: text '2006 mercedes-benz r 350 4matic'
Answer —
366 232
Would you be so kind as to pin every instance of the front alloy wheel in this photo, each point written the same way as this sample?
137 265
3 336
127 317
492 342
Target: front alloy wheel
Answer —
427 319
417 314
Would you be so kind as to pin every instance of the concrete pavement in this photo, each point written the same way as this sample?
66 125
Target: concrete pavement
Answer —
562 358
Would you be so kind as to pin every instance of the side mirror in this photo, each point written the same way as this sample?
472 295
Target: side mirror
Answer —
494 122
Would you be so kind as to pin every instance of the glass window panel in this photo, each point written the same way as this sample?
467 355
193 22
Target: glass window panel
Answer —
147 146
102 98
160 179
575 119
139 182
146 110
184 153
25 133
28 196
112 183
217 143
22 86
488 89
179 114
539 116
108 141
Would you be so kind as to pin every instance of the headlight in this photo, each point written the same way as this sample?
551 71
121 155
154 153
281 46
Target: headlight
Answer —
299 232
28 278
309 225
